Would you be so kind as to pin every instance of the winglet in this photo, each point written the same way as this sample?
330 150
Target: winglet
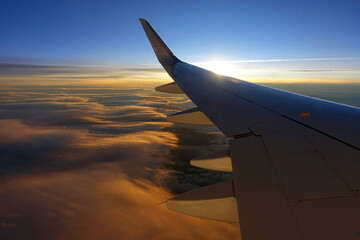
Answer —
163 53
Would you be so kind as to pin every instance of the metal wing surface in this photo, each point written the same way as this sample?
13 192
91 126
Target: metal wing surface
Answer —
295 159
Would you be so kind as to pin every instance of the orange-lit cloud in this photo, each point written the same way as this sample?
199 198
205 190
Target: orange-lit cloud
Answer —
94 204
78 164
104 200
13 130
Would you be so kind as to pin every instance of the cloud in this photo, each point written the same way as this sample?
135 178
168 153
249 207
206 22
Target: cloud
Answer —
84 159
90 163
336 70
13 130
25 148
77 72
64 206
56 148
284 60
325 70
81 111
121 201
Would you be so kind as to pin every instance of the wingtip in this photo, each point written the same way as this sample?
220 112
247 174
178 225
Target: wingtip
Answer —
143 20
162 52
144 23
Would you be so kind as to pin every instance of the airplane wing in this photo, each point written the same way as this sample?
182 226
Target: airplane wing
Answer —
295 159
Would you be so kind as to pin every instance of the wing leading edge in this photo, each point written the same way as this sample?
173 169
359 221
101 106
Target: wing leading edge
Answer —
295 159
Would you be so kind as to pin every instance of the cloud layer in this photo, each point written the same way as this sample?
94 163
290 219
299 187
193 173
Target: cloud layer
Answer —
95 162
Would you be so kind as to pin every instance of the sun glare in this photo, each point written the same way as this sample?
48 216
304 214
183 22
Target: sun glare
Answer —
221 67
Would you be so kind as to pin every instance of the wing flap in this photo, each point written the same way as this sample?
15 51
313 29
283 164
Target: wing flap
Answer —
343 158
218 161
191 116
214 202
264 211
303 171
330 219
169 88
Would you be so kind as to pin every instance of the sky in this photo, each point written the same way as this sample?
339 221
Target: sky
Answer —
85 148
108 32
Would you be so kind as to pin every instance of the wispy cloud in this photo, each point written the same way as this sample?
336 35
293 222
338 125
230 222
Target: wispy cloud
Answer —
282 60
334 69
324 70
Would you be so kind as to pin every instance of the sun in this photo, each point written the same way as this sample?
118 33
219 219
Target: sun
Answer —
221 67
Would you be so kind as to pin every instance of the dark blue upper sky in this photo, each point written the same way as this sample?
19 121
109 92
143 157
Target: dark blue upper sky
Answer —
108 32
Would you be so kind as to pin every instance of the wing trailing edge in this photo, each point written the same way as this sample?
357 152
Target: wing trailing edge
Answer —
169 88
217 161
214 202
191 116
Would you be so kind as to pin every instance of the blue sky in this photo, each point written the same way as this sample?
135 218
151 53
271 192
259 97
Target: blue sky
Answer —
108 32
